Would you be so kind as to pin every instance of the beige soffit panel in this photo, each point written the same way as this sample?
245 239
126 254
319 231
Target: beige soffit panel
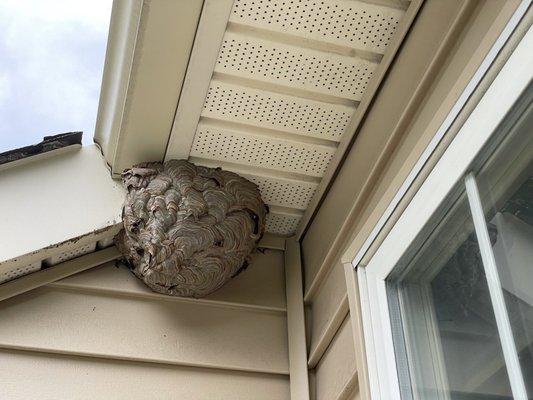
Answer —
147 55
28 280
272 91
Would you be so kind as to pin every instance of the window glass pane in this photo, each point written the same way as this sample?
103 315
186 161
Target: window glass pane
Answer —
506 189
445 332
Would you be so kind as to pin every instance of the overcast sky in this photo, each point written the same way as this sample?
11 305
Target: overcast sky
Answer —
51 60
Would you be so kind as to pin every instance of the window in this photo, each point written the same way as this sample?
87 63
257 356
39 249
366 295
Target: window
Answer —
442 301
447 298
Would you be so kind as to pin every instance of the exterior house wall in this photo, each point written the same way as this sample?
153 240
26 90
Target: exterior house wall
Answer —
441 53
103 334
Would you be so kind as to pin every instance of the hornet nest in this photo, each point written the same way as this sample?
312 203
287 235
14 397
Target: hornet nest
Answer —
188 229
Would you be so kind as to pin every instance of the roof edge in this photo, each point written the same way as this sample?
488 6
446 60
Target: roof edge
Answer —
49 143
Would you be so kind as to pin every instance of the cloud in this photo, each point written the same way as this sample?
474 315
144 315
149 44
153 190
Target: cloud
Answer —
51 62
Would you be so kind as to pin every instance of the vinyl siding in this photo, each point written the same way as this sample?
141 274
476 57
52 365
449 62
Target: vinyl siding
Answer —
336 373
103 334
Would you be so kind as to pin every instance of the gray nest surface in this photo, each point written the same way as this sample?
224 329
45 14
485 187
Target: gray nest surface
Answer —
188 229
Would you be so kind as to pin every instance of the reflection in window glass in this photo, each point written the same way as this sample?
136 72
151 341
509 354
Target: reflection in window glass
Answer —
506 186
448 338
471 346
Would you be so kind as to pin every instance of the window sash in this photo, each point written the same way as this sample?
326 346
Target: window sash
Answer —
510 353
482 124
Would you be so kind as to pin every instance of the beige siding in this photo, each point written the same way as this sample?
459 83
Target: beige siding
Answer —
82 326
336 373
354 395
329 308
30 375
262 285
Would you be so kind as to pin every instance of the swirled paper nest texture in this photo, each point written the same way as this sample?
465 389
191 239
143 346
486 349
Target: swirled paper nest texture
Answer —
188 229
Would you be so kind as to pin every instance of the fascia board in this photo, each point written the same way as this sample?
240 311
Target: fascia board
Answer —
147 56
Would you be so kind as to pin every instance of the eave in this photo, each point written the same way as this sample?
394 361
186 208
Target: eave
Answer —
169 85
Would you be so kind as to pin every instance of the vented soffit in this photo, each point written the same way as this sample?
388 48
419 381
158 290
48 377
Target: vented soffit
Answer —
273 90
286 83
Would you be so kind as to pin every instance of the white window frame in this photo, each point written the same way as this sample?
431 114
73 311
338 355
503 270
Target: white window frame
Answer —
452 167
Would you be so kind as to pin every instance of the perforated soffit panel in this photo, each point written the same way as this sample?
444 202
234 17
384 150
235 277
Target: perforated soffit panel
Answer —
287 81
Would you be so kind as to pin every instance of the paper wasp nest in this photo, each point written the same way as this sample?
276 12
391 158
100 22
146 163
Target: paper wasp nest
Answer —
188 229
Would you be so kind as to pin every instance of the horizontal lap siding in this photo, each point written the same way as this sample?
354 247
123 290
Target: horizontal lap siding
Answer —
262 285
29 375
336 373
145 329
91 321
331 349
328 310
